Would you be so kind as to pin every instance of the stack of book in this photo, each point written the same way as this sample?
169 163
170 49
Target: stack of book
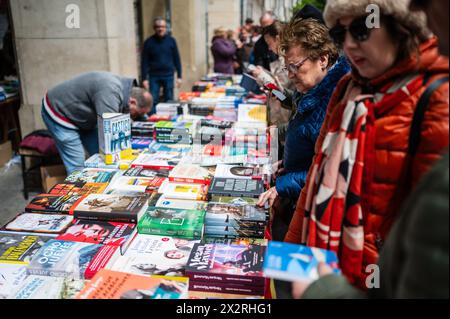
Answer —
227 269
179 223
235 221
174 132
168 109
142 130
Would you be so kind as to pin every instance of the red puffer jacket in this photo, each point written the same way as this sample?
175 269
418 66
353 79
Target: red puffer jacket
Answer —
388 156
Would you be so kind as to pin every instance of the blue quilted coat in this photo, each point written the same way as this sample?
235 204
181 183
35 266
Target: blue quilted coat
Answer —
304 129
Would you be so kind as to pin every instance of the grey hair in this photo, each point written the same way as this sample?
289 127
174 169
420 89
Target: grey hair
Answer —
142 101
157 19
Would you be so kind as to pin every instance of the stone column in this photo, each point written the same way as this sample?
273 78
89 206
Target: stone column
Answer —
189 25
49 52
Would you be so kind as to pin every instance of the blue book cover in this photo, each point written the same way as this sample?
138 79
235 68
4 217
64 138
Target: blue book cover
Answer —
292 262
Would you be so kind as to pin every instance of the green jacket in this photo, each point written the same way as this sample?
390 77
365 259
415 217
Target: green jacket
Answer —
414 261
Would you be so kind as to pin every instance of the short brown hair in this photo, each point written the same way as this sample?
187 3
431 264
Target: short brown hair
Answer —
274 29
312 36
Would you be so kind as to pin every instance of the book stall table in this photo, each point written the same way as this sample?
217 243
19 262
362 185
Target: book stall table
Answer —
174 217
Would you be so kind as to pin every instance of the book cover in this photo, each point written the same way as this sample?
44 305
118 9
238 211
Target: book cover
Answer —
114 135
137 184
155 255
146 173
156 147
109 284
43 287
243 201
158 161
59 258
190 173
227 262
238 172
179 223
290 262
75 189
196 192
115 208
47 203
228 213
236 187
39 223
164 202
105 233
20 249
249 113
11 278
91 175
98 161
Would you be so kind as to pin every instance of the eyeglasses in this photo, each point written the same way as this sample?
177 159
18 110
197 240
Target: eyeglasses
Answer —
294 67
358 29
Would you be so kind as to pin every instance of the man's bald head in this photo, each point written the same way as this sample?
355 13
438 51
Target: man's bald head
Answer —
268 18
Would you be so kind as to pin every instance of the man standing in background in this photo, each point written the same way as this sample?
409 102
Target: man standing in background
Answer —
160 60
263 56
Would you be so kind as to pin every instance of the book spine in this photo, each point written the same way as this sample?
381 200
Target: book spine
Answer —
232 289
181 234
220 279
189 180
108 217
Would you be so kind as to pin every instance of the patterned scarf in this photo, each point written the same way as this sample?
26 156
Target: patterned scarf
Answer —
336 201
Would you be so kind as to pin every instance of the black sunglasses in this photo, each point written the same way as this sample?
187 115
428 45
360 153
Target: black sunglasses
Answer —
358 29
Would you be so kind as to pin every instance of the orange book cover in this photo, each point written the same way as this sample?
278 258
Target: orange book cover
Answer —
108 284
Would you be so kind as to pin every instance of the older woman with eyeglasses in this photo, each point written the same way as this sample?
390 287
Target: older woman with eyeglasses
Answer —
314 66
387 123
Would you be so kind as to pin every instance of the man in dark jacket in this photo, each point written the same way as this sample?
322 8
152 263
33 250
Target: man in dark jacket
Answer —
160 60
263 56
70 110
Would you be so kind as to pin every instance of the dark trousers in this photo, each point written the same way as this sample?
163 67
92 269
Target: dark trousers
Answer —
158 82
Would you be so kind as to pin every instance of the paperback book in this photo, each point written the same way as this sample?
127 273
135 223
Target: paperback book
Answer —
158 161
226 264
163 202
91 175
190 173
109 284
20 249
146 173
104 233
196 192
114 131
70 259
50 288
180 223
137 184
47 203
238 172
236 187
290 262
155 255
113 208
39 223
11 278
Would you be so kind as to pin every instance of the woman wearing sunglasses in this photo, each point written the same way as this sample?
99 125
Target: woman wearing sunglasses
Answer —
364 167
314 66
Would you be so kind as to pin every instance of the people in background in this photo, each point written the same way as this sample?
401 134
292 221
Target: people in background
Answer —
70 111
278 115
160 61
363 168
261 54
315 67
223 51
